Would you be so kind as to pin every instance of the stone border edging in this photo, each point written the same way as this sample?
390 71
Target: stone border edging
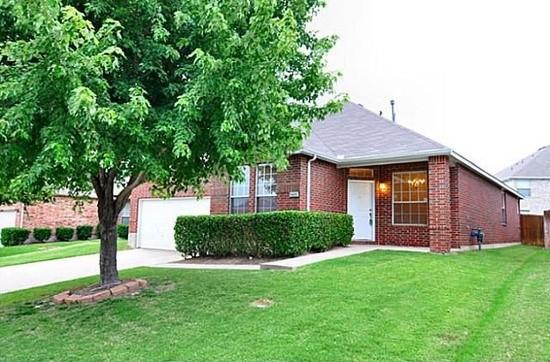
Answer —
127 287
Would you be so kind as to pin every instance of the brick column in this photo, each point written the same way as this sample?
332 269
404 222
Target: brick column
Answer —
439 204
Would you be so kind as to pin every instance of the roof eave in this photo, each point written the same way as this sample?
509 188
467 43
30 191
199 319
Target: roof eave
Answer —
387 159
421 156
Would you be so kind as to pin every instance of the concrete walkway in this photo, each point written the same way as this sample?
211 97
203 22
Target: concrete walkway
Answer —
23 276
354 249
297 262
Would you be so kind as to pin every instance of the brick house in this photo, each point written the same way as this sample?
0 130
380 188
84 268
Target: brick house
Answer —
400 187
62 211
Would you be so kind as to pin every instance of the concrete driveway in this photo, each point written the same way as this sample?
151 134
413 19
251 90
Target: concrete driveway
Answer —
30 275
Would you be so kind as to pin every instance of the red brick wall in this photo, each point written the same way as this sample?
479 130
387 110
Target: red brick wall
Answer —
61 212
293 179
480 206
328 187
386 232
439 203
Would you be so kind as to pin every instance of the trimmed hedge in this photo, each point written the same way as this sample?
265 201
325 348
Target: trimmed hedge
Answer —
42 234
122 231
14 236
273 234
84 232
64 234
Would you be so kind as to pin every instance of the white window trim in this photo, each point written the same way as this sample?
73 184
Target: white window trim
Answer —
393 202
258 178
247 180
231 196
256 185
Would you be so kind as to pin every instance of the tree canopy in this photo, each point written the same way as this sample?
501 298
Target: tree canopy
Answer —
177 90
100 93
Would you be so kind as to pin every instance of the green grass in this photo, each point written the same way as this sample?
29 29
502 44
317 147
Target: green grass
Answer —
31 253
383 306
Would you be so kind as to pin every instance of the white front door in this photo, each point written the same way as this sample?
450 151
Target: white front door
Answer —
361 208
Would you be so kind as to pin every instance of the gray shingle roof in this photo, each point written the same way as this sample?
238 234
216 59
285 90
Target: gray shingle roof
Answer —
536 165
357 132
358 137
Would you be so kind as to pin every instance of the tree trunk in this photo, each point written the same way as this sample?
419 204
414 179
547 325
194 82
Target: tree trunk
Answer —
109 208
107 253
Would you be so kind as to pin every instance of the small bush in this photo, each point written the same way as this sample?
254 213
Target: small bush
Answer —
64 233
98 231
122 231
84 232
42 234
14 236
275 234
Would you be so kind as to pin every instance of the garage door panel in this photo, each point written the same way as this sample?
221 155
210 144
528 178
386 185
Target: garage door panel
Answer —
157 219
7 219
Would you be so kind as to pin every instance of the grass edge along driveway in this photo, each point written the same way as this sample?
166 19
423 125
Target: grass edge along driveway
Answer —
383 305
31 253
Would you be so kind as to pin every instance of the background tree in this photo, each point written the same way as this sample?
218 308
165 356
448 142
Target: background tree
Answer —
106 94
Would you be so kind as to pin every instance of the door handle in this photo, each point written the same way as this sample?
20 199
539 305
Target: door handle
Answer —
370 217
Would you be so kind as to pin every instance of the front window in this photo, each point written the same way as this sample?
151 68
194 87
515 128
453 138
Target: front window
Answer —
266 188
503 214
239 193
410 198
125 214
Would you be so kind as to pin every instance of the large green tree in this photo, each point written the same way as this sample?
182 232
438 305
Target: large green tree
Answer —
104 95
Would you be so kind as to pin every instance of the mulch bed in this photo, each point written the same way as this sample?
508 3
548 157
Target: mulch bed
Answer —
96 293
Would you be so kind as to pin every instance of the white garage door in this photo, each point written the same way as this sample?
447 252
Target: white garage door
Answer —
157 219
7 219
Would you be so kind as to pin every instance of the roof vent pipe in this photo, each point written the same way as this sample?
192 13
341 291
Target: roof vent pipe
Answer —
392 103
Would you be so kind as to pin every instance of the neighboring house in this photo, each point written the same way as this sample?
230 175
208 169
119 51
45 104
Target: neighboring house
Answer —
400 187
63 211
531 177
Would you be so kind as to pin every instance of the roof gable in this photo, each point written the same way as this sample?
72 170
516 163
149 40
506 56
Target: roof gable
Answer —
536 165
357 132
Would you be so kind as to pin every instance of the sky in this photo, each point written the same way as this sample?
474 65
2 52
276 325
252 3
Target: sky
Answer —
473 75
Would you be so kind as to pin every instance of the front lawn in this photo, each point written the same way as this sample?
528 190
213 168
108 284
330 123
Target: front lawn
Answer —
385 306
22 254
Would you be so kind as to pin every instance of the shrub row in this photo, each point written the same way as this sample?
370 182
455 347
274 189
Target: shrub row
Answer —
274 234
16 236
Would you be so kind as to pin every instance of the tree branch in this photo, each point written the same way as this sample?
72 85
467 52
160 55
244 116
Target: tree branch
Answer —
124 195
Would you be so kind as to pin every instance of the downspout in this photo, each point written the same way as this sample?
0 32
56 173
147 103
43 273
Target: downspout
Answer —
308 202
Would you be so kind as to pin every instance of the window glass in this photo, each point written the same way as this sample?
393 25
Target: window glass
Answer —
125 214
410 198
240 192
266 188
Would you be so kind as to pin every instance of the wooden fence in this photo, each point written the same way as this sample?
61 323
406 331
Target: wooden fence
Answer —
532 229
